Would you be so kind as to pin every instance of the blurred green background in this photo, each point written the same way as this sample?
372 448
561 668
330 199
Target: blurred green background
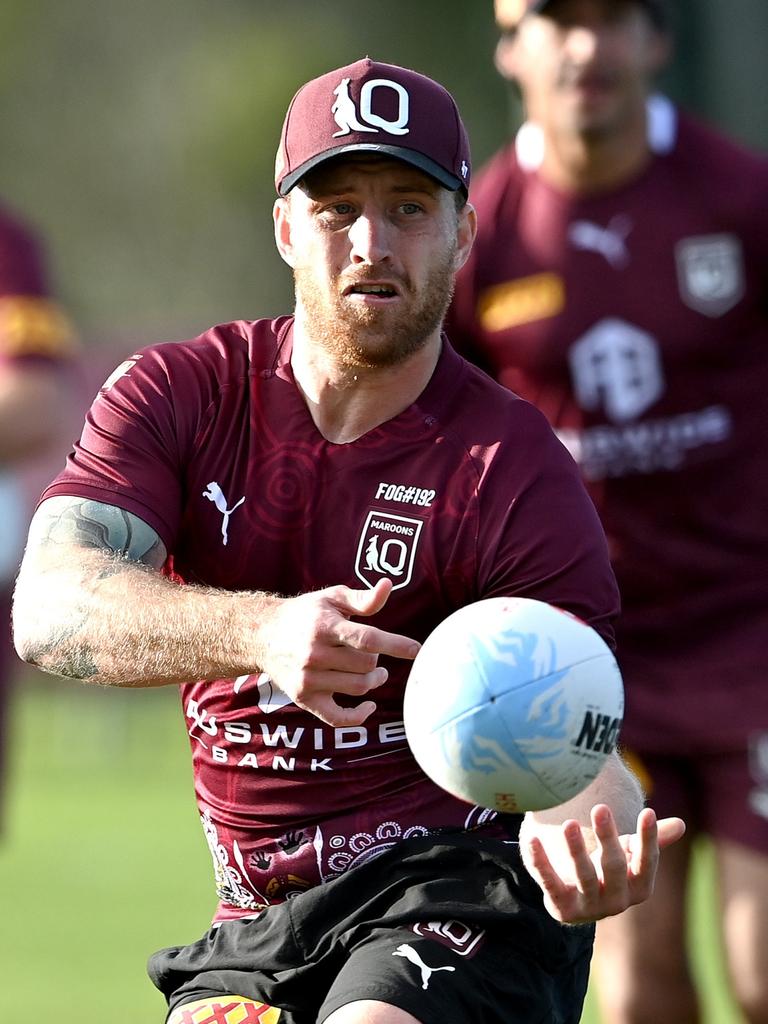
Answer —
139 137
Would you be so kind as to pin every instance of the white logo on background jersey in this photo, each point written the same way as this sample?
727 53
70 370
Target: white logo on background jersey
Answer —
758 763
365 120
616 366
710 273
215 494
426 972
610 242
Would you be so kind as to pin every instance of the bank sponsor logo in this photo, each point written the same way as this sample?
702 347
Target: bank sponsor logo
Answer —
616 369
387 548
278 747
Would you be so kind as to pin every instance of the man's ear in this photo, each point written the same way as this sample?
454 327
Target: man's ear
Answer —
465 235
281 214
505 57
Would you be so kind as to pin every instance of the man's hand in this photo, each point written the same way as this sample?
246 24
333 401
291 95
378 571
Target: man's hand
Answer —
582 884
312 650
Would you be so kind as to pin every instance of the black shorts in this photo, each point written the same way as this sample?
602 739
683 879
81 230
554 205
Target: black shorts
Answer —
448 929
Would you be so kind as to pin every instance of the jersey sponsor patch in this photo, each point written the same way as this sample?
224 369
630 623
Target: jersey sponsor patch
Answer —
225 1010
521 302
616 367
710 273
387 549
34 326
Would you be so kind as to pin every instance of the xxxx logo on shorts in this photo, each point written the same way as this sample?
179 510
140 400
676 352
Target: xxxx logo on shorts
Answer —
387 549
225 1010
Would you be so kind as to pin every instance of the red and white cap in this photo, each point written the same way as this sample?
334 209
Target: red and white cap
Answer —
374 108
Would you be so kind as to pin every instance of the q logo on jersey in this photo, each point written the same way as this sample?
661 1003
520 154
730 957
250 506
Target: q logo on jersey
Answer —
387 549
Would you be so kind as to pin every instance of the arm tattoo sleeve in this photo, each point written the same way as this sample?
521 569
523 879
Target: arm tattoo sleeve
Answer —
92 524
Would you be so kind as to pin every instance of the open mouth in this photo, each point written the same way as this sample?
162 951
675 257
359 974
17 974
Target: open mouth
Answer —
368 291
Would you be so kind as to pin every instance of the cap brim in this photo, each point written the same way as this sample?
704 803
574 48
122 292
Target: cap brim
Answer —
409 156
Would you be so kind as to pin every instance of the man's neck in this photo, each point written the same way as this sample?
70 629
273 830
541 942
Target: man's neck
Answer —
576 166
587 164
345 401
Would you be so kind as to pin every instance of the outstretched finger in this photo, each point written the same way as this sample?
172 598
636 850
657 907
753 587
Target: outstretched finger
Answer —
540 866
644 844
367 638
360 602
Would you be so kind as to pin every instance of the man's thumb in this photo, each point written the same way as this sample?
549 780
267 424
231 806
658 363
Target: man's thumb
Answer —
365 602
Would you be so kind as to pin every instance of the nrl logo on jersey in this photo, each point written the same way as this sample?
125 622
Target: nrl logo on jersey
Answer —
387 549
710 273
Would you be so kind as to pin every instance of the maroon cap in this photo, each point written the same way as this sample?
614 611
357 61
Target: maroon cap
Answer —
375 108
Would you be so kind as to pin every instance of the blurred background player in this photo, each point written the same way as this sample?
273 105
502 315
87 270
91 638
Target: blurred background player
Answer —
36 342
619 283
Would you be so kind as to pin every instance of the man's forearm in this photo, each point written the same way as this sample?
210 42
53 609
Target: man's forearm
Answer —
121 623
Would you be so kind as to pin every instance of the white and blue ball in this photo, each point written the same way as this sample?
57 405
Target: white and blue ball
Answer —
513 704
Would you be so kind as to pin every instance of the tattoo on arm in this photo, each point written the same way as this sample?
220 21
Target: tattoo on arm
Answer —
93 524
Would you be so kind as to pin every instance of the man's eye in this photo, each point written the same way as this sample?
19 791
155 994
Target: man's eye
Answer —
341 209
410 208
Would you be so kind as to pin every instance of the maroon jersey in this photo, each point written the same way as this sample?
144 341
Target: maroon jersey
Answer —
464 495
637 320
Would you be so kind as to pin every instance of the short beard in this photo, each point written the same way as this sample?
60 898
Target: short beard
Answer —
368 338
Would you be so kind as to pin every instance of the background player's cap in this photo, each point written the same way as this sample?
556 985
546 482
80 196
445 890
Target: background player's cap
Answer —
509 12
375 108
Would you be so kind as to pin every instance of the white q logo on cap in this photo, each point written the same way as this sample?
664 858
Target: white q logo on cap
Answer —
346 116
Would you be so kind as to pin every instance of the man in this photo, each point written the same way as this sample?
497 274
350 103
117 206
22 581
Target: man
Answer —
213 529
619 283
36 347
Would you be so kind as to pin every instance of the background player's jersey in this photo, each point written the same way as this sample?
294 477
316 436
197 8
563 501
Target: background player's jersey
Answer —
637 320
465 494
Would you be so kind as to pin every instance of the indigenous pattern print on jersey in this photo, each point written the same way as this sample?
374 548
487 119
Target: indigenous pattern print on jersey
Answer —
466 494
637 321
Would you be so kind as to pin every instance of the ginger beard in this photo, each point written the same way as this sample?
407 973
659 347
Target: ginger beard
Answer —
356 335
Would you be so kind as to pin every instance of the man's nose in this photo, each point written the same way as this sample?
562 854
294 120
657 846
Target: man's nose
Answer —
370 238
583 43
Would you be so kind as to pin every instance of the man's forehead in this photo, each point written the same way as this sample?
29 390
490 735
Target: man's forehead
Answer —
349 169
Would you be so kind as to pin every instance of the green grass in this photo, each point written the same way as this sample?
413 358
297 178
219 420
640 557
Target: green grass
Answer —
103 859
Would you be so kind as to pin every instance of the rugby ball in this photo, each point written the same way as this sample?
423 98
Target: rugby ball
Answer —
513 704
